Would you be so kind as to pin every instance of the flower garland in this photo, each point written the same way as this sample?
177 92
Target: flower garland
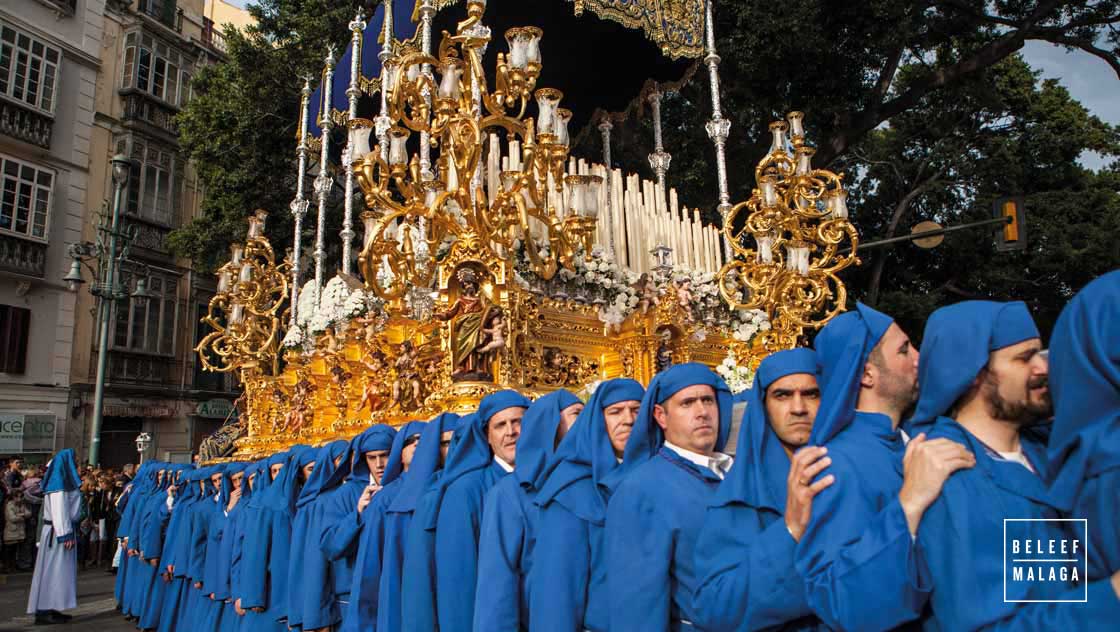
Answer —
334 307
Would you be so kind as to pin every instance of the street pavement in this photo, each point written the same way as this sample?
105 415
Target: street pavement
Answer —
95 611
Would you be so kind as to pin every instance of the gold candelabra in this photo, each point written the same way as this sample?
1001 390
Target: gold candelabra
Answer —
245 311
797 223
413 210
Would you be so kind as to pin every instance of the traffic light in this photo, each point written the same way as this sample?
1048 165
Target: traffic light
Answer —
1013 234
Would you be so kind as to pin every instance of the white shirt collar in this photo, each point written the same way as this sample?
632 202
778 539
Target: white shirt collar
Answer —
502 464
719 463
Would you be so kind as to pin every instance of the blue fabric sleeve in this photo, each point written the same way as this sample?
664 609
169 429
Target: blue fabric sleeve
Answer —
457 531
966 567
251 585
418 577
341 526
497 601
278 556
748 580
861 568
639 553
1097 502
199 533
561 572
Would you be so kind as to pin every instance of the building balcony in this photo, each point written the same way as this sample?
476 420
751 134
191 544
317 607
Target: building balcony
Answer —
212 37
140 369
149 236
22 256
63 8
25 124
143 108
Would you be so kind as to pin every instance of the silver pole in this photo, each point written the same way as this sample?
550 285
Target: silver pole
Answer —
718 127
352 92
299 203
427 14
659 160
383 122
323 180
605 129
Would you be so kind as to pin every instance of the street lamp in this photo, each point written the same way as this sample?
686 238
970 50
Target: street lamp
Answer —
109 251
143 440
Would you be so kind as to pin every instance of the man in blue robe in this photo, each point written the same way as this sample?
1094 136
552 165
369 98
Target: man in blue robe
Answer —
497 427
568 581
984 384
509 520
1084 446
254 483
263 583
418 576
427 460
354 541
216 568
862 568
339 521
745 552
246 570
655 515
184 495
152 535
308 571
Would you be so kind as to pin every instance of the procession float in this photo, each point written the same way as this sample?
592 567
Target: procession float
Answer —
490 257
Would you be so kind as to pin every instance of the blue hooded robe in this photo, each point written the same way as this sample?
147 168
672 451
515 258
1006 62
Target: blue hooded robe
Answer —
177 591
259 478
568 581
152 534
217 565
861 567
397 519
308 570
460 518
509 520
263 581
744 555
340 520
418 578
1084 446
963 534
655 514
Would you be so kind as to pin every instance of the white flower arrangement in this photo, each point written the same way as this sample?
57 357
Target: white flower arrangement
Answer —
745 323
738 378
333 307
293 338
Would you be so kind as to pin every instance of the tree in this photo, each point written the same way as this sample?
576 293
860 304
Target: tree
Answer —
240 129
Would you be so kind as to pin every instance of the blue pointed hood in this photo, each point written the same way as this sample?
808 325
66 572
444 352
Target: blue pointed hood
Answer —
843 347
324 470
374 438
424 463
586 453
62 474
955 347
646 438
1085 386
537 442
395 467
758 475
469 451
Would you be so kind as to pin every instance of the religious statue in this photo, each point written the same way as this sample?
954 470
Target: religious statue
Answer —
495 334
406 387
374 392
330 342
684 297
298 413
647 292
664 358
468 316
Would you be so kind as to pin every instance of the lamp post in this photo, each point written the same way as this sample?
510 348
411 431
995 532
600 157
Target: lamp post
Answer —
109 251
143 440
